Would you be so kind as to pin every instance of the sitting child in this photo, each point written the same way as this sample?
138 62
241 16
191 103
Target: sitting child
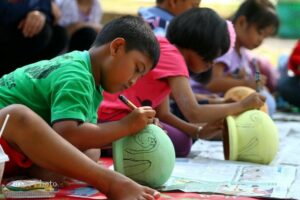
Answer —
253 22
29 33
194 39
289 85
82 19
65 93
160 16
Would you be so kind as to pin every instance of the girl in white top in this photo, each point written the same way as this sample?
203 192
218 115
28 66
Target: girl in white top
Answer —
82 20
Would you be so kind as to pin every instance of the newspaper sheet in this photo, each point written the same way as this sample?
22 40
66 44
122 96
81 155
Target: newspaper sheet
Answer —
206 171
232 179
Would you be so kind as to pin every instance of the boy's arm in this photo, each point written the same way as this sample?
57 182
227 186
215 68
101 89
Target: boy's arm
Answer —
35 139
86 135
221 83
195 113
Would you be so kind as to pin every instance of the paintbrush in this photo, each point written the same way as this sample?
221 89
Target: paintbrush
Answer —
4 124
127 102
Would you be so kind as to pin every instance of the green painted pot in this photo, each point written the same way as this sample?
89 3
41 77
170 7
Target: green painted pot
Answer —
251 136
147 157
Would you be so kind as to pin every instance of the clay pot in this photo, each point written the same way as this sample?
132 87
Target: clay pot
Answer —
147 157
238 93
251 136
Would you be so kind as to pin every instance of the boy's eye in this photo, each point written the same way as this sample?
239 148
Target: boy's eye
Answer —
137 69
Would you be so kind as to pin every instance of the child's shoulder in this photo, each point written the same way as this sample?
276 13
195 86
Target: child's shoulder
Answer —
73 56
164 43
73 60
168 51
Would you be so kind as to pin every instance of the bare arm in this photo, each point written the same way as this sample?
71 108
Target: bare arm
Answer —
210 98
205 132
222 83
86 135
195 113
164 115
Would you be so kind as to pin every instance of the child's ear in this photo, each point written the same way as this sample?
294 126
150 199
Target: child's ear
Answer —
172 3
241 22
116 45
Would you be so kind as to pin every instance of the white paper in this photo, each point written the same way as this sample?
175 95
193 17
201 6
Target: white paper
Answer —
206 171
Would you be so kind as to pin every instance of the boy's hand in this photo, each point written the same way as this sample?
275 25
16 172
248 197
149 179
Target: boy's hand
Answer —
253 101
139 118
263 80
212 130
157 123
32 24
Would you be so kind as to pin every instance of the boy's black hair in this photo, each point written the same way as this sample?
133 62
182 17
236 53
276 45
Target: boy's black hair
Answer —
159 1
201 30
137 34
261 13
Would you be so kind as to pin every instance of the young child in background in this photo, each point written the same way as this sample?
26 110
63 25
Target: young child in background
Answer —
66 92
29 33
194 39
289 86
160 16
82 20
253 22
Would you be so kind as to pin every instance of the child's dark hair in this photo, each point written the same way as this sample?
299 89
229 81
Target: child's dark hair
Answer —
159 1
201 30
261 13
137 34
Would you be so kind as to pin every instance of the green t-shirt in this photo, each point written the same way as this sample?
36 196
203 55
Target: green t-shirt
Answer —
57 89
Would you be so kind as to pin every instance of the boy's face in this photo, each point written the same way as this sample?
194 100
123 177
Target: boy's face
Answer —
124 69
195 62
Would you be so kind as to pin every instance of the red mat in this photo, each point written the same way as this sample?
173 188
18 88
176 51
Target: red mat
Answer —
82 191
79 190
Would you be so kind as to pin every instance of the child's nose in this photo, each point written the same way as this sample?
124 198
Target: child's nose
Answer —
260 40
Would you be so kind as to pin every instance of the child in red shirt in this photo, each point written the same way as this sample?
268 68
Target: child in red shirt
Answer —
289 85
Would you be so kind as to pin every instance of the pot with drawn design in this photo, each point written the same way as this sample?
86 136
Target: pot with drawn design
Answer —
147 157
239 93
251 136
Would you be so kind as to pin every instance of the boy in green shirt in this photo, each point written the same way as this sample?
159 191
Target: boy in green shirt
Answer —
64 94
